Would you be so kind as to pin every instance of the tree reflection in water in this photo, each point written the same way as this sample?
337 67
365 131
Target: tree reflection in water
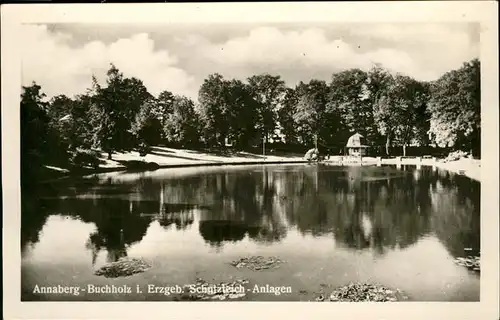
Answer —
241 205
182 220
363 208
33 218
456 219
123 223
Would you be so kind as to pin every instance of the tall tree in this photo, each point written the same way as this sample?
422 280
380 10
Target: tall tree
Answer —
163 106
147 126
35 131
311 107
422 113
400 111
59 107
377 86
59 112
181 125
269 92
455 108
285 116
241 115
213 109
136 95
349 100
165 102
115 108
80 121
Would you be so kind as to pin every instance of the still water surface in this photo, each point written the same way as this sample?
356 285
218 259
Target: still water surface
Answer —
399 227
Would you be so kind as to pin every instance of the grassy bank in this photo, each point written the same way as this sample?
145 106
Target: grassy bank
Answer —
162 157
174 157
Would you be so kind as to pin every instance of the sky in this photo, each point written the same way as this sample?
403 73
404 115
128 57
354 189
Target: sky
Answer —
63 57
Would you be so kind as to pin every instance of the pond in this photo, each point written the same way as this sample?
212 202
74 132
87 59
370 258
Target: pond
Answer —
329 225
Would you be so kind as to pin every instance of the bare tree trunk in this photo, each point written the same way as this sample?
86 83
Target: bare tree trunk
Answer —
264 138
387 144
404 150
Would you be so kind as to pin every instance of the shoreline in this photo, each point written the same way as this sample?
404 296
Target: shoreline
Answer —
176 158
102 170
470 168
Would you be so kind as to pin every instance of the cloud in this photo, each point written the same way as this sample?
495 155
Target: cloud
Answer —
424 52
61 69
435 48
178 58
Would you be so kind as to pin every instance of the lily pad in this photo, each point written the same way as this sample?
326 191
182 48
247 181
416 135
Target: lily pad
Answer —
470 262
257 263
123 267
363 292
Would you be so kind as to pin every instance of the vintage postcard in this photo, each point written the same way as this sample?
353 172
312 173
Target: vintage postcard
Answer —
329 159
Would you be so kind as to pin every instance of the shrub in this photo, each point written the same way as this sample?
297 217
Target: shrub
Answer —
85 158
143 149
455 155
137 165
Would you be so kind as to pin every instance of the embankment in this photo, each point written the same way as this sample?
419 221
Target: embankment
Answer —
161 157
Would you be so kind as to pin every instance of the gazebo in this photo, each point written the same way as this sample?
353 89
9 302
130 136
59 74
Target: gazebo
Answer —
355 146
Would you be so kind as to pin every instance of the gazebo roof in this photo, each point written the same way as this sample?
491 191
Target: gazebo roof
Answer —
356 141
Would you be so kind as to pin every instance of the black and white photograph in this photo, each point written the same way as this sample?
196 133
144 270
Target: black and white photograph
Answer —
252 161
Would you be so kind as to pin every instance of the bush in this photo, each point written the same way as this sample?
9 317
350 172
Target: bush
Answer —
455 155
137 165
144 149
85 158
312 155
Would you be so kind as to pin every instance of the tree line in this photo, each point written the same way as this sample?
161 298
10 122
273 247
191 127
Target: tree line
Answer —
387 109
